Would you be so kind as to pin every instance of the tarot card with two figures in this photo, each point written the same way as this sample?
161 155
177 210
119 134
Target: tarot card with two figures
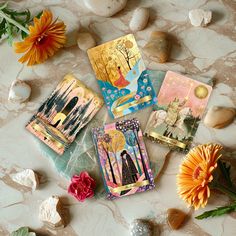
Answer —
123 158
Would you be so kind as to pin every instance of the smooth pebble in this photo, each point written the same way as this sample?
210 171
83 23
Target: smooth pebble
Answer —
158 47
139 19
219 117
85 41
175 218
105 8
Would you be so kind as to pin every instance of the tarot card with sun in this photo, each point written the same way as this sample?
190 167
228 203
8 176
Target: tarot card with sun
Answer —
123 158
181 104
122 76
69 108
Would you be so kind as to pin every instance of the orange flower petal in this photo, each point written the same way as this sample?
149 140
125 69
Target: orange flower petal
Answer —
45 38
196 173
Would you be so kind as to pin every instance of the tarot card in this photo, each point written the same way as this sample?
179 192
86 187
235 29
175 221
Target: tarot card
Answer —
181 104
123 158
122 76
69 108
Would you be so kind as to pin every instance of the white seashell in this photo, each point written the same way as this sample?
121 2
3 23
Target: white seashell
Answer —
50 212
27 178
199 17
139 19
19 91
105 8
219 117
85 41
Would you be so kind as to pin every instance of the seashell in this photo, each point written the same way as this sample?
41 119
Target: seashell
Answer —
175 218
26 178
50 212
158 47
85 41
19 91
139 19
219 117
199 17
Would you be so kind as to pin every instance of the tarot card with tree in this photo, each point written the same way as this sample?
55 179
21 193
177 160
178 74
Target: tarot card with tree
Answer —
69 108
123 158
122 76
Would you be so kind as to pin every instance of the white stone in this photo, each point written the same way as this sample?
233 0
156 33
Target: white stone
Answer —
139 19
219 117
199 17
49 212
71 35
105 8
27 178
19 91
85 41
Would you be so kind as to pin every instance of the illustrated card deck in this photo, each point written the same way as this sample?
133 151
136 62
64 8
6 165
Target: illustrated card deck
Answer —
180 105
122 76
123 158
69 108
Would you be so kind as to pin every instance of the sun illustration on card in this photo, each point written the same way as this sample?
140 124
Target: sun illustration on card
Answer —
201 91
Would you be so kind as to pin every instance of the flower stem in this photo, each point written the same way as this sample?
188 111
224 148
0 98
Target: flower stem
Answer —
10 20
225 190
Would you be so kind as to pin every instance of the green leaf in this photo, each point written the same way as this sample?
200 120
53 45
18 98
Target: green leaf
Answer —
39 14
9 31
23 231
217 212
2 28
23 34
3 6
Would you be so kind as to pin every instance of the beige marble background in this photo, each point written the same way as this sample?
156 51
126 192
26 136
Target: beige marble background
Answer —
207 51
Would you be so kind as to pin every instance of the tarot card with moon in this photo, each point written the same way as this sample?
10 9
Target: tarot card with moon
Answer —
69 108
181 104
122 76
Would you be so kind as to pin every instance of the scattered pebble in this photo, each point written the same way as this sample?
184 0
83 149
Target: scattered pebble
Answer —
199 17
19 91
141 227
175 218
26 178
105 8
139 19
71 35
85 41
158 47
50 212
219 117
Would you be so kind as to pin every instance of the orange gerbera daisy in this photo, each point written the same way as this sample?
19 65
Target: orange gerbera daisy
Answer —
45 38
196 174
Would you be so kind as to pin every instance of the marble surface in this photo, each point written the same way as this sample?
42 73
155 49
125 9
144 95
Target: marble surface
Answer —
209 52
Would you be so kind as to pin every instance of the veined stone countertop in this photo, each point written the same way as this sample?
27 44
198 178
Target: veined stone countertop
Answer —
209 51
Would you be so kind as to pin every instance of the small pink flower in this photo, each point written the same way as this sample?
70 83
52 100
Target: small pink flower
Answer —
137 97
82 186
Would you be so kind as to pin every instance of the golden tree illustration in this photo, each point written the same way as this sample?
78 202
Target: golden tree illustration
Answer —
124 47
